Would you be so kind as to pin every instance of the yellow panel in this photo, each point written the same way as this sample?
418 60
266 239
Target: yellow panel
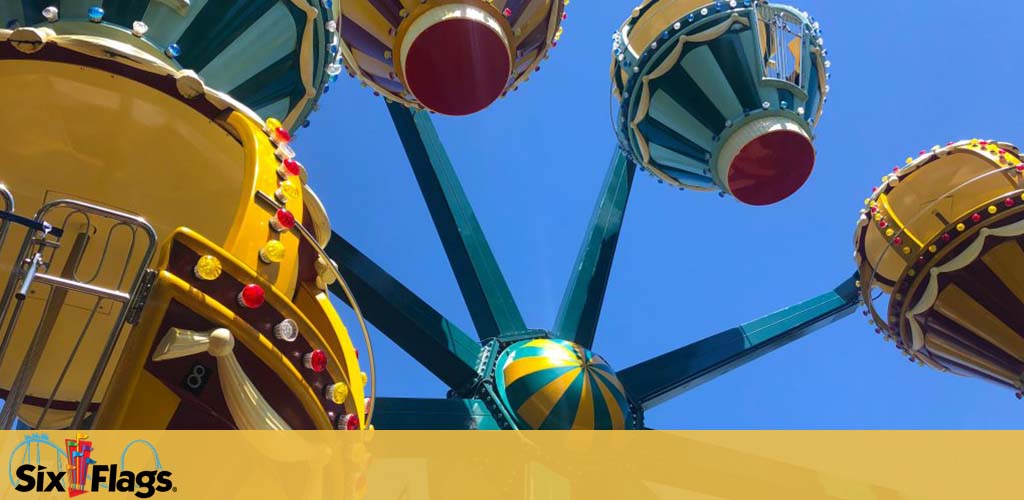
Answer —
585 411
957 305
1007 261
537 408
537 13
251 229
371 65
157 402
95 136
657 18
316 305
520 368
935 181
942 182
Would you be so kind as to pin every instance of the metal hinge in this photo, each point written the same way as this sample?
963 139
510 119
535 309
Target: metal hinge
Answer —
139 301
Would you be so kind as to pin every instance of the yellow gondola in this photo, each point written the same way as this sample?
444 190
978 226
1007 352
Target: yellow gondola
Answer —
942 237
180 280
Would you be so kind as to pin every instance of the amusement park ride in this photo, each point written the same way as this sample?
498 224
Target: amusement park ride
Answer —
178 276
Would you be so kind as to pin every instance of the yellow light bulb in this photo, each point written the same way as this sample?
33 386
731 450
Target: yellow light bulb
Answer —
362 376
208 268
287 190
889 232
906 250
960 227
933 249
273 252
992 209
337 392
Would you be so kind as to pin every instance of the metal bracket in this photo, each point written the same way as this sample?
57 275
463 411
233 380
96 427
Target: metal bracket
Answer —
31 223
145 286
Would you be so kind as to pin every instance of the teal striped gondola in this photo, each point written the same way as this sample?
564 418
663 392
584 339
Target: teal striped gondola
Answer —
720 95
274 56
555 384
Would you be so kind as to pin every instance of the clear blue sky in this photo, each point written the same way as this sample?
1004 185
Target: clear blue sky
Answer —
905 77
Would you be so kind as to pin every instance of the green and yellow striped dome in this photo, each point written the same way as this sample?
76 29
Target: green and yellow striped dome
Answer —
555 384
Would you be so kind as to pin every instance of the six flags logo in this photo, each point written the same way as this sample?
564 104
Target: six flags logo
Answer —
83 474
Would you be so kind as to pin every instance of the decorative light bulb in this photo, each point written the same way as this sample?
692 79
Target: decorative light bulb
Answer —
286 330
289 167
337 393
173 51
287 190
251 296
52 14
207 268
279 135
283 220
315 360
96 14
273 252
348 422
139 28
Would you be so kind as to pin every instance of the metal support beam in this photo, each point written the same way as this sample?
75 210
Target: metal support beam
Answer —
659 379
484 289
584 295
432 414
417 328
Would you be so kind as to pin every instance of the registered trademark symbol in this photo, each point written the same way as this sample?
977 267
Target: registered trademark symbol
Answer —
174 489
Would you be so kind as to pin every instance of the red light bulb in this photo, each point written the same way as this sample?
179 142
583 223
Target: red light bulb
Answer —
348 422
315 360
289 167
281 135
976 217
252 296
283 220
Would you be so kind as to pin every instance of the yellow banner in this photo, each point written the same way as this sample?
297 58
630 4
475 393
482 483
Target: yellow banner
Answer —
530 465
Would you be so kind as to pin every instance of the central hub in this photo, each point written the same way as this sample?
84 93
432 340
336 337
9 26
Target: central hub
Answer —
558 385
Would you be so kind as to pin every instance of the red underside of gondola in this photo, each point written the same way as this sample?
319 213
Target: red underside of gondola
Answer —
771 168
457 67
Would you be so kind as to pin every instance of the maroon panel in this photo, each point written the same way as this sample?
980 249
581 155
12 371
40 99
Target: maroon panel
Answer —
939 326
771 168
57 404
988 290
208 402
225 290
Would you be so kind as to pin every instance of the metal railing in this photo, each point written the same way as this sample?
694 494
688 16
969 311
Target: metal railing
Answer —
40 251
782 32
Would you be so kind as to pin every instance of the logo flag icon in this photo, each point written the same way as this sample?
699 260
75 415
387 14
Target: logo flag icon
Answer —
79 458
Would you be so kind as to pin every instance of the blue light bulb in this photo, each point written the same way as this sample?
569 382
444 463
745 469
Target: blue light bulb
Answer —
173 51
96 14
